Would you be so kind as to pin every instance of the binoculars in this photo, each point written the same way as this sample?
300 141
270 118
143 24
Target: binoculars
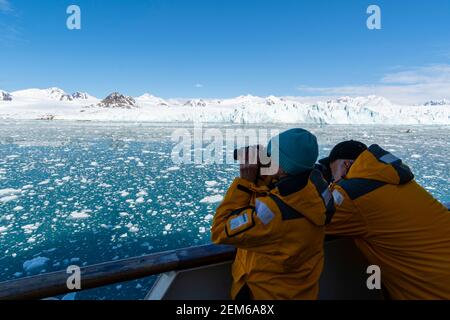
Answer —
244 150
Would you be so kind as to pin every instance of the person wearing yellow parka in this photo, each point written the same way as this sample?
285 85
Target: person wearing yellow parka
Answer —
396 223
277 222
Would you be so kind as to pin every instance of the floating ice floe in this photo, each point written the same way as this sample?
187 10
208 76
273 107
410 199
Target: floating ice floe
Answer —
31 240
209 217
29 228
133 229
142 193
84 214
7 217
212 199
8 199
104 185
211 183
36 264
9 192
44 182
140 200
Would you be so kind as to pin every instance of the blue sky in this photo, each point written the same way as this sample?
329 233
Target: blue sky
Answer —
224 48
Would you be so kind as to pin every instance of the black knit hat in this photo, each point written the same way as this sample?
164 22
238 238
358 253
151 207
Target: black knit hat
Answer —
345 150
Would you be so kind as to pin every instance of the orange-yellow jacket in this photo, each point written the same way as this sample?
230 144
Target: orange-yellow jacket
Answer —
279 232
396 224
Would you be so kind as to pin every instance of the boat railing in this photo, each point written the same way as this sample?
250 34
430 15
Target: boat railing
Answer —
54 284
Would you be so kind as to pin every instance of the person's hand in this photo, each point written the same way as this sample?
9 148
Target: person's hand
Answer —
249 172
250 167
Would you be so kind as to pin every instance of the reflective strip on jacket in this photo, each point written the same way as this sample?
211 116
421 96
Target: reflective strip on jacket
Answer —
279 233
396 224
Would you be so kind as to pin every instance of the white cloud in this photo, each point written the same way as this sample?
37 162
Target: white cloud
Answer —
199 85
412 86
5 6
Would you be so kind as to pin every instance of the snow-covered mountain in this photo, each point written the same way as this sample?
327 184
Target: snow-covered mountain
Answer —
196 103
39 94
443 102
50 94
54 103
117 100
5 96
151 100
76 96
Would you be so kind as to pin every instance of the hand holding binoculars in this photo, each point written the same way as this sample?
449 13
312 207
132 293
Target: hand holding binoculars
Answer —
252 155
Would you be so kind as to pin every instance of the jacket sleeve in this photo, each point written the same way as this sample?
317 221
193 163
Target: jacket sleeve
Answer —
239 223
347 220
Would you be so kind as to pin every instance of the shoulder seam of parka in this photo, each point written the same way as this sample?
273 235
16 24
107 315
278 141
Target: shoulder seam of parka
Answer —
358 187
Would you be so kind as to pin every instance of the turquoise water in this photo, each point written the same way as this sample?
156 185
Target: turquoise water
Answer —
83 193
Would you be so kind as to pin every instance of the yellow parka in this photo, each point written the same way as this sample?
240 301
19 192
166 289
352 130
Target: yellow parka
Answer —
279 232
396 224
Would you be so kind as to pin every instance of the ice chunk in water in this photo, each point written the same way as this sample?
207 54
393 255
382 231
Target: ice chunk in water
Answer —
35 265
212 199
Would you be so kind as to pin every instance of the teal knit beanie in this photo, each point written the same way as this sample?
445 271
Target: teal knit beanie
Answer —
297 150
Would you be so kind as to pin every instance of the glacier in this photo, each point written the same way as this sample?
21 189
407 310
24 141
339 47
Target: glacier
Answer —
55 104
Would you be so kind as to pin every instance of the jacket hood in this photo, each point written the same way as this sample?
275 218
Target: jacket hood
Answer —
378 164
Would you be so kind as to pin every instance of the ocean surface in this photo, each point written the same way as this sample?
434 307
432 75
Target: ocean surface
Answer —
80 193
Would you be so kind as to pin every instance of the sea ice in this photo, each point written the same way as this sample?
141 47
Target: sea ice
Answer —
140 200
35 264
211 183
80 214
133 229
142 193
124 194
104 185
29 228
9 192
8 199
212 199
31 240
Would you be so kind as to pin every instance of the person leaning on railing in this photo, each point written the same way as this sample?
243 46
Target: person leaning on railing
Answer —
277 222
397 224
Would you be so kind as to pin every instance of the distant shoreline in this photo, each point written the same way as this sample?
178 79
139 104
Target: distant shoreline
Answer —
225 124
